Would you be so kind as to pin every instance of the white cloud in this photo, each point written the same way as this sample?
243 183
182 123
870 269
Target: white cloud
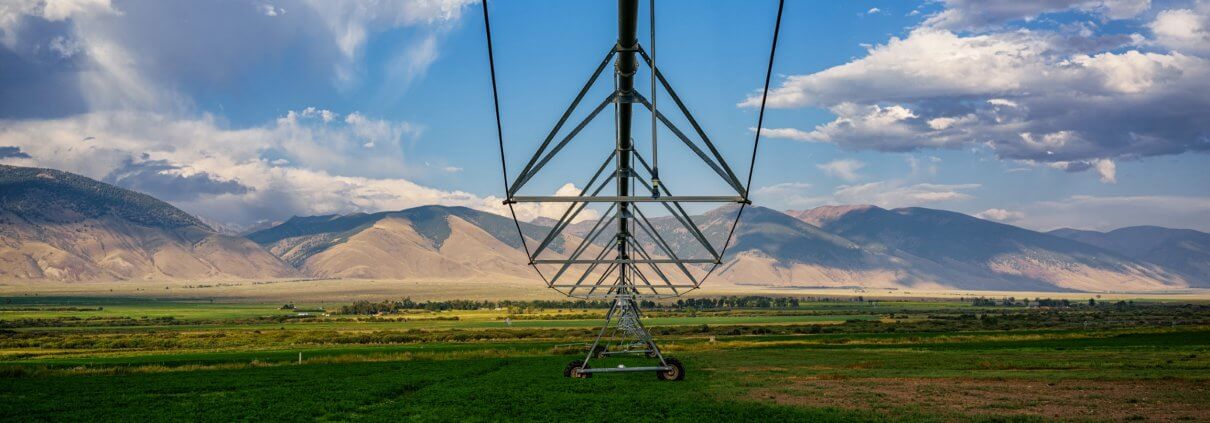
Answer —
889 194
982 14
270 10
870 122
898 193
1001 215
1107 169
788 195
66 47
446 169
414 62
1184 30
843 169
295 165
530 211
947 122
786 133
351 22
134 60
1025 94
1001 102
1103 213
12 12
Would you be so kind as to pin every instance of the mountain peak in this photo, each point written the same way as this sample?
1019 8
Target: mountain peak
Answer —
50 195
62 226
823 215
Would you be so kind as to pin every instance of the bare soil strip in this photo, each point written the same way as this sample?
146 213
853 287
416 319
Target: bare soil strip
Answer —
1071 399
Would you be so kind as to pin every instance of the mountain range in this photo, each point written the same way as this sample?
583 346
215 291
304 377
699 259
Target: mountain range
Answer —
61 226
58 226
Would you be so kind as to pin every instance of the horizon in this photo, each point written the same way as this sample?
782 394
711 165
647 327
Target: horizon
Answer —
315 108
921 210
266 225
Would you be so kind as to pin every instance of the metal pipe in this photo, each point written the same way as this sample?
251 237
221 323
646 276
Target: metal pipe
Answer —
626 369
627 199
625 67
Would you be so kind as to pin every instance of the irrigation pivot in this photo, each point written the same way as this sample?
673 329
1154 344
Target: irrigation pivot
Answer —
625 257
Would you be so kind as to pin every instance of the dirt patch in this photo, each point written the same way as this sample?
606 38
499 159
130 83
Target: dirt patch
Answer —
1151 400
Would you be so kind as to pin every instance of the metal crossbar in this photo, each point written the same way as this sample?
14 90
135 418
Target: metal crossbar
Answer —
625 257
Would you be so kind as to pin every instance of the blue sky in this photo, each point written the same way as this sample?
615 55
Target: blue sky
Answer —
1042 113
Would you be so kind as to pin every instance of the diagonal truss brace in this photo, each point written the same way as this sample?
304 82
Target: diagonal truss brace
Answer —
600 262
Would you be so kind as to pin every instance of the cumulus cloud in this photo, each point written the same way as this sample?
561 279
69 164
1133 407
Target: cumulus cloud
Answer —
1106 168
119 74
1025 94
843 169
1001 215
97 55
170 182
298 164
1184 30
530 211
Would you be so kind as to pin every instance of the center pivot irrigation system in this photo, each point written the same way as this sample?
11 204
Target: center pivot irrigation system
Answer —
625 257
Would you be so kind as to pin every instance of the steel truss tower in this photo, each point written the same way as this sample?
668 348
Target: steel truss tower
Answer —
624 257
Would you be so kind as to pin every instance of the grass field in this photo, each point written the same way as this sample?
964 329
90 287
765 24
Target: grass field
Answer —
90 358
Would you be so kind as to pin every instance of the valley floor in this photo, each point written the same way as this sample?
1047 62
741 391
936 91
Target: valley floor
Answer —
347 290
114 359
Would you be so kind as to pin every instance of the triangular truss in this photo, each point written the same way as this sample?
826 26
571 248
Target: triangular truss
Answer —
645 268
623 333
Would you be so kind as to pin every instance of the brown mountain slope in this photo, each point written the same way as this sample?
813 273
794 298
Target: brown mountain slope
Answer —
1183 250
59 226
430 242
1012 258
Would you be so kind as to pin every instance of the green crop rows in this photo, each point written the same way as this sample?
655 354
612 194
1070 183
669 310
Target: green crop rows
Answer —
139 360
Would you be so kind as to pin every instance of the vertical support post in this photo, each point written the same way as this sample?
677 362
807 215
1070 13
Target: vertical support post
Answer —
625 67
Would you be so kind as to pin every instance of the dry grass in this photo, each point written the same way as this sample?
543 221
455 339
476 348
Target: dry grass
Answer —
346 290
1144 400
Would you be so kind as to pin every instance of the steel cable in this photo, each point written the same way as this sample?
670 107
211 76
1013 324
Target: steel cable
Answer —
655 145
755 145
760 120
491 65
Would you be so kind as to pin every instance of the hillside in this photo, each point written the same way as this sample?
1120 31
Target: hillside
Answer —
433 242
1182 250
61 226
853 246
772 248
1018 258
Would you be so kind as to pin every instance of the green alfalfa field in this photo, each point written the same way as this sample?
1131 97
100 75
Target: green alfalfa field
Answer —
826 359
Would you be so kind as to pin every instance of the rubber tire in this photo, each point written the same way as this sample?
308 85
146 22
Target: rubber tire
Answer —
569 371
599 351
677 372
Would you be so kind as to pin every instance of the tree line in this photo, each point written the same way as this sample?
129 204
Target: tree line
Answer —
1040 302
407 304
